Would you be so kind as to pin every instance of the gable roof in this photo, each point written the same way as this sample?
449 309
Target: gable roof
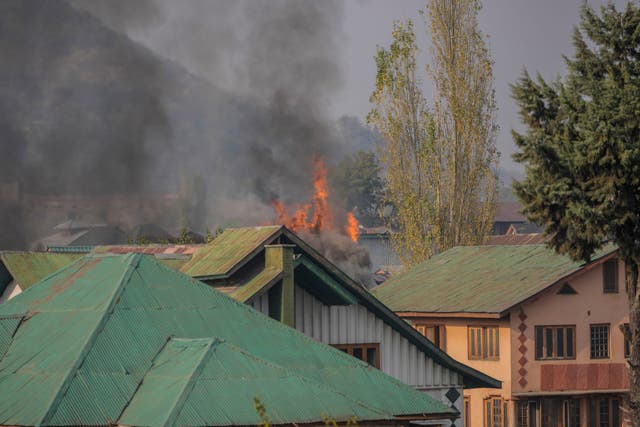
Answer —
27 268
231 247
228 251
131 332
479 279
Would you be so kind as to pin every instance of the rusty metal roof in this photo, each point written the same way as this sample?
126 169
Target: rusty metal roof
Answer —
122 339
152 249
27 268
228 251
517 239
478 279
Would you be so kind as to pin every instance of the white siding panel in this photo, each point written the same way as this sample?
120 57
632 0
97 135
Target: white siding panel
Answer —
261 303
355 324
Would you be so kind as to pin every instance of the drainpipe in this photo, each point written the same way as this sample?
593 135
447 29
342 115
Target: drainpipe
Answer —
282 301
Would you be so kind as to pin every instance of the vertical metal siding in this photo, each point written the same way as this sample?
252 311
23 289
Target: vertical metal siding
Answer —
261 303
355 324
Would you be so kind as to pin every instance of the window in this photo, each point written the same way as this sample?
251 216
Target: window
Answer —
599 341
434 333
604 412
467 412
495 412
627 342
555 342
610 276
483 343
369 353
572 413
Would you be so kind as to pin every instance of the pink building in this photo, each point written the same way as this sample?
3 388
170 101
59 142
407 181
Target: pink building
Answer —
549 328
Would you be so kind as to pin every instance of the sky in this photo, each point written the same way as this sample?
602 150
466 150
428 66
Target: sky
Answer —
522 34
531 34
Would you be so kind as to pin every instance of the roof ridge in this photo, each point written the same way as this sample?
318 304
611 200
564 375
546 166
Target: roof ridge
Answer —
132 263
211 344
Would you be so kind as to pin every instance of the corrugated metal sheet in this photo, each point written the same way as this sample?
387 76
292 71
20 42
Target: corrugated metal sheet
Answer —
256 284
477 279
355 324
113 315
28 268
228 250
153 249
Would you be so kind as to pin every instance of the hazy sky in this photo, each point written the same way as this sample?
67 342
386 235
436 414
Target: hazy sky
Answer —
531 34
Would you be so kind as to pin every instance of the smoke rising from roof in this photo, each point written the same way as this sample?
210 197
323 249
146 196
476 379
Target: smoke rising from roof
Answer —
120 97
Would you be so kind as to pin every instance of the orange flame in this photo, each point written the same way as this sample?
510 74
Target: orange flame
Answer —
352 227
316 216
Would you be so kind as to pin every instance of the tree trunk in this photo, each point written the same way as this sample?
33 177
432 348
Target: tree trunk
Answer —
631 278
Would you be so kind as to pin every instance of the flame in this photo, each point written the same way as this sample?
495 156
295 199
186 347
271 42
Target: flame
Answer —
352 227
316 216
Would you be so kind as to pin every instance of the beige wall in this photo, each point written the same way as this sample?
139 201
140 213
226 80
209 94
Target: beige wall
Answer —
457 347
589 306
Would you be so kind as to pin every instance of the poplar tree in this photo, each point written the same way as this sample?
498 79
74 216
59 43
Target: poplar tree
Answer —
439 163
581 151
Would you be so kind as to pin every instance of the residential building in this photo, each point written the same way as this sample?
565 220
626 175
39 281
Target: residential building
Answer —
549 328
273 270
124 340
21 270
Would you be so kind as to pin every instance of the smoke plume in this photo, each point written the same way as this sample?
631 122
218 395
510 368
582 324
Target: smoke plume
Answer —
210 109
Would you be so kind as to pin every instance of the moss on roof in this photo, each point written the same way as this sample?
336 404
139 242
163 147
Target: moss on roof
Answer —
227 251
477 279
28 268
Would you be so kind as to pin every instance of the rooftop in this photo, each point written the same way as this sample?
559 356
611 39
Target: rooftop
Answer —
478 279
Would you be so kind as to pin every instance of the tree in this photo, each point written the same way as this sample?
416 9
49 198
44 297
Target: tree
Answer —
357 181
581 151
439 164
406 126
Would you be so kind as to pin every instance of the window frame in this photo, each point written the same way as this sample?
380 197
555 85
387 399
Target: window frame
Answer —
612 414
614 289
467 411
494 406
626 351
363 347
439 332
591 341
483 352
554 351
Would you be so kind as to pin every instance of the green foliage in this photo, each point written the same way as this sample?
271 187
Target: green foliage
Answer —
581 150
439 163
356 179
262 412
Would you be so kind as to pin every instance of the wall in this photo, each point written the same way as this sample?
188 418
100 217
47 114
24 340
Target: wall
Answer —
457 347
589 306
351 324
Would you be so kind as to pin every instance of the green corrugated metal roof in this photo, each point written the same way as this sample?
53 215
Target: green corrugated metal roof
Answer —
256 284
227 251
477 279
29 267
94 332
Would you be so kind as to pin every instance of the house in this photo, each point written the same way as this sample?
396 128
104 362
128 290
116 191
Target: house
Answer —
124 340
277 273
509 219
20 270
377 241
78 233
549 328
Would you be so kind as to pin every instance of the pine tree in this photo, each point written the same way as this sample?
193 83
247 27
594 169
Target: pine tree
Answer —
581 151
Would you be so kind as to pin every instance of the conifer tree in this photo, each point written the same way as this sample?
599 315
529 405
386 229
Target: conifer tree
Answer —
581 151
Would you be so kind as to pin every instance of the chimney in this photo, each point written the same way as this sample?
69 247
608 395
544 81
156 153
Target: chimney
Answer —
281 296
